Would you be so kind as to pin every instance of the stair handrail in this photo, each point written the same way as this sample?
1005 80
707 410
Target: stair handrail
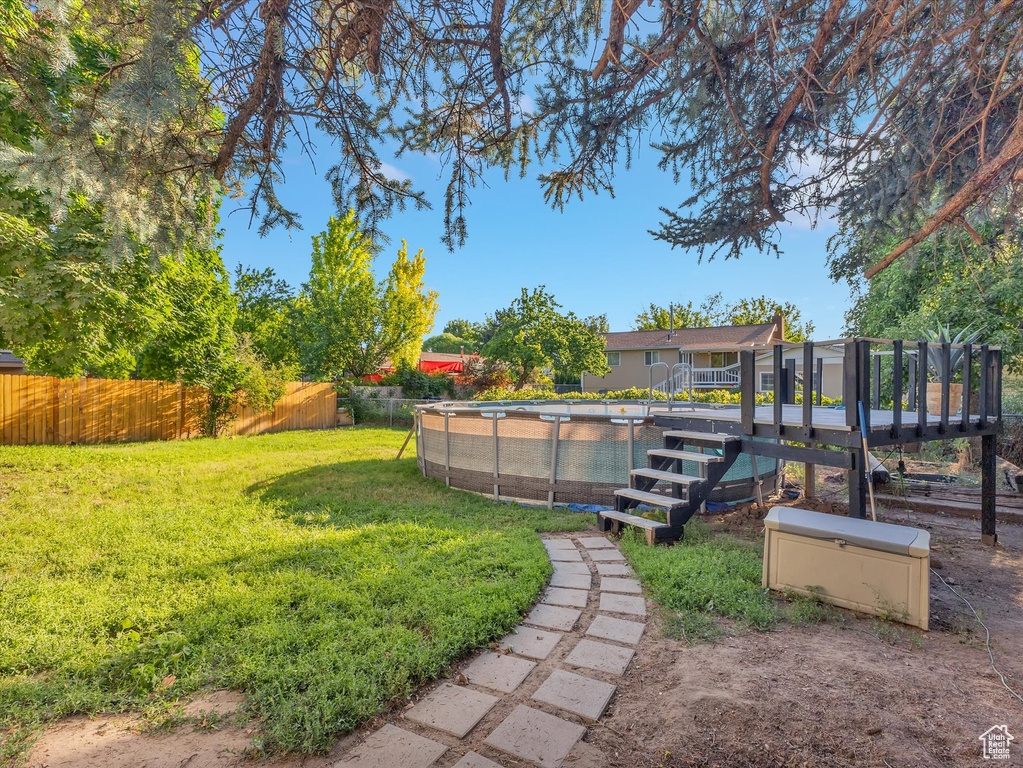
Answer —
675 380
667 375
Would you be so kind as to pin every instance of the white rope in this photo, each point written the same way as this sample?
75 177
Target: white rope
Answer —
987 640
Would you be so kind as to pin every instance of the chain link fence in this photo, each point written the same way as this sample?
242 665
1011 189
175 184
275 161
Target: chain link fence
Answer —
382 411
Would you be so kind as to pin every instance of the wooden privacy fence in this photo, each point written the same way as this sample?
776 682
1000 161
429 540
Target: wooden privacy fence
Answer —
42 410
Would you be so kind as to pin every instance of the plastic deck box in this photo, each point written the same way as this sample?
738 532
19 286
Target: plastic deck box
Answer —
875 568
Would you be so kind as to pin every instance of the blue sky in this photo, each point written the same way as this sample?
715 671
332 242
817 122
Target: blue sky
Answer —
596 257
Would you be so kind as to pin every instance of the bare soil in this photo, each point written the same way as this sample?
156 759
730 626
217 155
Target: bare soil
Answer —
852 692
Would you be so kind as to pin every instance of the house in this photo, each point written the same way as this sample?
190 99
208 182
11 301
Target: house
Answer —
11 363
713 354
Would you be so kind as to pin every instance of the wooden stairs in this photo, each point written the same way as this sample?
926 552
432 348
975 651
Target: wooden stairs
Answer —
713 454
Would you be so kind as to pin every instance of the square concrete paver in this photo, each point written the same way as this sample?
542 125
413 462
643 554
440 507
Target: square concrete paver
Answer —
534 643
574 693
553 617
453 709
565 555
614 569
611 584
619 630
596 542
570 580
573 597
602 657
391 746
499 671
536 736
472 760
577 568
611 601
559 544
606 555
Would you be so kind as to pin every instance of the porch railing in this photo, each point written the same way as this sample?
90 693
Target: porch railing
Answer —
716 378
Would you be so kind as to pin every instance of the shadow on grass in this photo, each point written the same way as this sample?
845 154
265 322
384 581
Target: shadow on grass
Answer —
361 492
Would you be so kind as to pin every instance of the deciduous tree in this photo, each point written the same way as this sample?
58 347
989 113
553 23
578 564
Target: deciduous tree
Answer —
534 336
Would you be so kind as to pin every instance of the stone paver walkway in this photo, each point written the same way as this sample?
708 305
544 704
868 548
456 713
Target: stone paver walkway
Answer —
529 700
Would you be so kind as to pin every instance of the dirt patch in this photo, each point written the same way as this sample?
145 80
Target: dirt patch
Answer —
209 737
852 693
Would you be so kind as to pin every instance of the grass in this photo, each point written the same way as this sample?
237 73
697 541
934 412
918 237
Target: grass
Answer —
706 575
308 570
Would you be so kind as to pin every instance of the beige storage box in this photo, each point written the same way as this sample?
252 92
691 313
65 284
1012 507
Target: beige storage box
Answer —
876 568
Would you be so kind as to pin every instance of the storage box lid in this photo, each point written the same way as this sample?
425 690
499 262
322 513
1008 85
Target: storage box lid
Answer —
886 537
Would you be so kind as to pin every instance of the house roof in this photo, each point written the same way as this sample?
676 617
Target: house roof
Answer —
716 337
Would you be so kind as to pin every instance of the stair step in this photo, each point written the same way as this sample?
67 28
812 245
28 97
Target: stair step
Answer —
700 458
653 499
710 437
635 520
665 476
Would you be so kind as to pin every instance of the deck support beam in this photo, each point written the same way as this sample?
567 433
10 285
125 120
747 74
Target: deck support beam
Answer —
857 483
988 534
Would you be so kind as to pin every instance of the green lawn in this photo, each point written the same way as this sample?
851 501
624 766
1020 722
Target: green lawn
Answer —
307 569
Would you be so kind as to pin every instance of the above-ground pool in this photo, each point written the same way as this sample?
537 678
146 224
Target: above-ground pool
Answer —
554 451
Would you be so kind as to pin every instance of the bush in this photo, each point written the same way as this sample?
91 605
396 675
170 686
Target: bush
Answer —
485 373
717 396
416 384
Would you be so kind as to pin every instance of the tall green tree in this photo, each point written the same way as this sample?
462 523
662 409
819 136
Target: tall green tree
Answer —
950 281
715 310
348 322
657 318
340 305
266 314
534 336
761 309
408 308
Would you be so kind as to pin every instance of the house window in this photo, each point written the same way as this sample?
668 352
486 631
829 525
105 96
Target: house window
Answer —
651 356
614 358
766 381
723 359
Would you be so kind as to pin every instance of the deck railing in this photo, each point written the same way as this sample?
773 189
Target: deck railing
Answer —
899 386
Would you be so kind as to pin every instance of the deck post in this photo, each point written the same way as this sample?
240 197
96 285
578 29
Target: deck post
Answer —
911 385
876 402
779 388
790 381
857 479
988 535
747 390
897 391
851 384
820 380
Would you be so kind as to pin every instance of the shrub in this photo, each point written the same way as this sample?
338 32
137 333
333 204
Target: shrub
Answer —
717 396
485 373
416 384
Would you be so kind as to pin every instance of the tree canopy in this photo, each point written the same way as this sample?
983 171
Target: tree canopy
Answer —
349 323
898 118
715 310
949 281
535 337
